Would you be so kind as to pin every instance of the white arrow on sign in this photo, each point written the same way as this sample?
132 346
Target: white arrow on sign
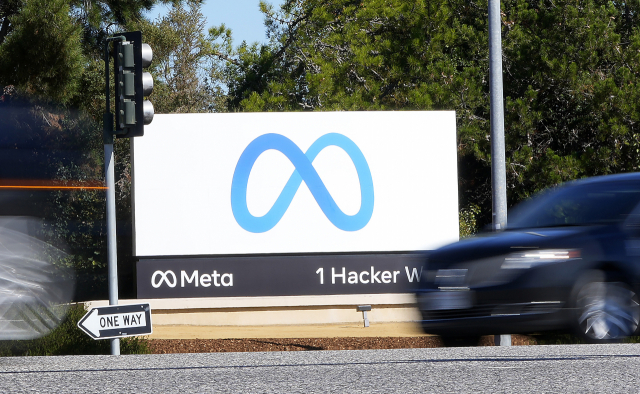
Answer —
117 321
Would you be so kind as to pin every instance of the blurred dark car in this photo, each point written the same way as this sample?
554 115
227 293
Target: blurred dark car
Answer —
568 261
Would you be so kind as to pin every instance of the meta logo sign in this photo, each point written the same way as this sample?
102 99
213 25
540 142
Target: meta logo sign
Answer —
241 184
170 279
267 275
304 171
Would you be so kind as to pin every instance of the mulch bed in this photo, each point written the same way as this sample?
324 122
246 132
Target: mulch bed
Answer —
164 346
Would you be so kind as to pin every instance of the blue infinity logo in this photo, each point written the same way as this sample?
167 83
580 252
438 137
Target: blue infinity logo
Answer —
303 171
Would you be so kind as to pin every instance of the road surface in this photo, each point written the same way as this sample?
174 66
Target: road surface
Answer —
521 369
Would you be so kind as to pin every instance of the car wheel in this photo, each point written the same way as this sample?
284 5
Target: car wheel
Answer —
606 311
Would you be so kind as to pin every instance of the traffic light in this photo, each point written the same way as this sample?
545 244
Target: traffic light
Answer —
133 112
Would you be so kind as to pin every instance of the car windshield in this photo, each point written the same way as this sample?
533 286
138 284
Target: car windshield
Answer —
577 205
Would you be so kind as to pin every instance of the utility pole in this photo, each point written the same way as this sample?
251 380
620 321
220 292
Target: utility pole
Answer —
498 170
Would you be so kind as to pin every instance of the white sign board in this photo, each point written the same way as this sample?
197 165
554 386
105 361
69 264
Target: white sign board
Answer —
117 321
257 183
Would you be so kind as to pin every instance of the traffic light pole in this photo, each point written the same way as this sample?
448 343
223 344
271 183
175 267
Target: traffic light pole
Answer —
133 112
109 163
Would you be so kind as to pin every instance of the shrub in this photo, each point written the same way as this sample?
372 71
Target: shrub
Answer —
467 218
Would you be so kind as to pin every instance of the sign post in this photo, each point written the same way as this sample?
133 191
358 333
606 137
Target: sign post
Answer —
118 321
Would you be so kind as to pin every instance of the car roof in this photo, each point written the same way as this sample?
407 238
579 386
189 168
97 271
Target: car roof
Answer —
629 176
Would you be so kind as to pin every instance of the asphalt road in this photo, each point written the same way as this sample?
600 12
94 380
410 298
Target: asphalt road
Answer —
522 369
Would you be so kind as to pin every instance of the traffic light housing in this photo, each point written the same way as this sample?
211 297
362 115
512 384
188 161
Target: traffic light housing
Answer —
133 112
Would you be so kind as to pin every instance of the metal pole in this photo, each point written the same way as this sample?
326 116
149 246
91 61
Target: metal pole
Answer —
112 247
109 162
498 171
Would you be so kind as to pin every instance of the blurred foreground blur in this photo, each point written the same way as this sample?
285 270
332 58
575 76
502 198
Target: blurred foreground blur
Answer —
34 293
51 204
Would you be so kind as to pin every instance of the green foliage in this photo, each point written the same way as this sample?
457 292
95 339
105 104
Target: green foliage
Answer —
183 79
48 48
572 97
43 53
468 220
68 339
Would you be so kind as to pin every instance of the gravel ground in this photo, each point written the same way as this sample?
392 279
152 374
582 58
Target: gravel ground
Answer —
164 346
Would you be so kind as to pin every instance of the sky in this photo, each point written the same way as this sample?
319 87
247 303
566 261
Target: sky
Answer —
243 17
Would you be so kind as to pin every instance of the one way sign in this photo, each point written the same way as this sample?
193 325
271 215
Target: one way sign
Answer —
117 321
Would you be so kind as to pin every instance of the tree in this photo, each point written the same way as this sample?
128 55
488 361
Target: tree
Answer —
49 48
571 71
183 79
39 70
